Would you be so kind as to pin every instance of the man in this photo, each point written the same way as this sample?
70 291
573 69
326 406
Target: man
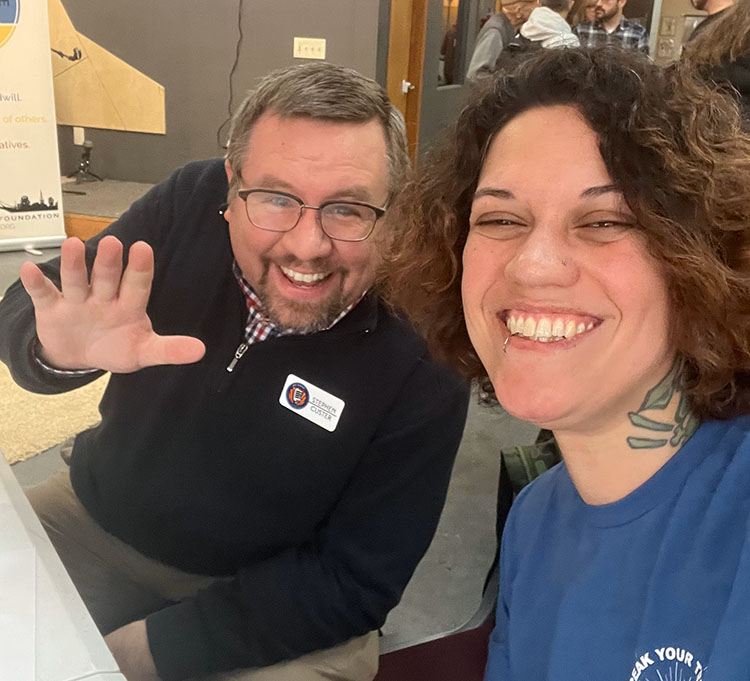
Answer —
268 473
715 9
495 36
612 28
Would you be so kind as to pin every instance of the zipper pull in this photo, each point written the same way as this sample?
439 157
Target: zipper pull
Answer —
241 349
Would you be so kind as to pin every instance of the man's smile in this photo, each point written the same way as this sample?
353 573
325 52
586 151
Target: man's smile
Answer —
309 278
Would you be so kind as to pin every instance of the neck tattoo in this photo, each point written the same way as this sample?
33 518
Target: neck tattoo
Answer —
674 433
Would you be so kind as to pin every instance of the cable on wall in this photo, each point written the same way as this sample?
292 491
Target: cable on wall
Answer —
230 103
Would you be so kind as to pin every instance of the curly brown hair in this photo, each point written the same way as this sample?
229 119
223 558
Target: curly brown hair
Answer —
674 148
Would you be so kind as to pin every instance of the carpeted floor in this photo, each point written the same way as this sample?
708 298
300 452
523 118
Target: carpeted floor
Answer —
31 423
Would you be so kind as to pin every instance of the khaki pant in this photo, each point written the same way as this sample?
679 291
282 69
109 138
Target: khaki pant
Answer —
120 585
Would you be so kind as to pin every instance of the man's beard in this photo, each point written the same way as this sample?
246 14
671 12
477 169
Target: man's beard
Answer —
602 15
300 317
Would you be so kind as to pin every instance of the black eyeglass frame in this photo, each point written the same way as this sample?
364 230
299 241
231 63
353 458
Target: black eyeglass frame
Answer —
378 210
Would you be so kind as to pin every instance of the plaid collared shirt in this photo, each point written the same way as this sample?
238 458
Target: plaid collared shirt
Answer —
628 34
259 326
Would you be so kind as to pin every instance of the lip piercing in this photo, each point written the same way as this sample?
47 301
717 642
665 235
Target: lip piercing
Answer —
505 345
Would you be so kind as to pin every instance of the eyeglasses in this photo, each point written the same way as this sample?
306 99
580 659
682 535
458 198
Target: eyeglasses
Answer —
339 220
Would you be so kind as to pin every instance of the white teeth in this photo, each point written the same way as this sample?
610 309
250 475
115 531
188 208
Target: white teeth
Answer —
544 330
302 277
529 328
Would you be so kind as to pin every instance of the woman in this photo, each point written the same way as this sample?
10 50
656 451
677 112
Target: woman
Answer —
582 11
590 219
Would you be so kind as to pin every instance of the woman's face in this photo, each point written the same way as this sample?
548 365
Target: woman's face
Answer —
551 256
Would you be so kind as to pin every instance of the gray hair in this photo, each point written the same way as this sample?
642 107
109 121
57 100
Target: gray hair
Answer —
325 92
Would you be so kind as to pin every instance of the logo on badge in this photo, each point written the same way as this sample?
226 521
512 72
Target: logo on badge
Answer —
9 13
297 395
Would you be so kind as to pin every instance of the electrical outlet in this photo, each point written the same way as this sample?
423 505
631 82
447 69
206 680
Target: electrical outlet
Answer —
79 134
309 48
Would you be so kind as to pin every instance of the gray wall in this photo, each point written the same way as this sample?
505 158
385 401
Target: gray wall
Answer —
189 47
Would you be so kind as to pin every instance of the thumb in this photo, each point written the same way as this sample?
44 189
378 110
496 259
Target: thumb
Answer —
171 350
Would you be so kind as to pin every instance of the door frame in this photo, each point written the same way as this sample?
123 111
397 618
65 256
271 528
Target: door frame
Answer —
407 29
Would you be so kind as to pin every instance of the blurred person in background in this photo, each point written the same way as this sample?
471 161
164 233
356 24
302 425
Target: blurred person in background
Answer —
581 12
611 28
547 26
496 34
720 48
715 10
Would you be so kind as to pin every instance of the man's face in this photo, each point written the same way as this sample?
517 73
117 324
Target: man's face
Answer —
304 278
608 9
518 11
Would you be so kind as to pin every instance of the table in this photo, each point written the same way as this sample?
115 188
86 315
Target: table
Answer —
46 633
89 207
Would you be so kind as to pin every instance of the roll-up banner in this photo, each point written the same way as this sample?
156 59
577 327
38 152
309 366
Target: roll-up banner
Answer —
30 189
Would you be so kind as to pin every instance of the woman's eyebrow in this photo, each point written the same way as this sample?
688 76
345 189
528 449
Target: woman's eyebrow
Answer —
598 191
491 191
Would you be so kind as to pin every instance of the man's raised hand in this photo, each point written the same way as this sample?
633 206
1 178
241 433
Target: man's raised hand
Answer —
102 324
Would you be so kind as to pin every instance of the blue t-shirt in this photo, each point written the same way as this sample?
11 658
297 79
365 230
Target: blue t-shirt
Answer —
653 587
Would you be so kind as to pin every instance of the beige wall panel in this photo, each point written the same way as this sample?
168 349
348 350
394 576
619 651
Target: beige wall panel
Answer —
138 100
80 99
99 90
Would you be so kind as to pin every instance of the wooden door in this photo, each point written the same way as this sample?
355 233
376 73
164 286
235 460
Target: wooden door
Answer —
406 46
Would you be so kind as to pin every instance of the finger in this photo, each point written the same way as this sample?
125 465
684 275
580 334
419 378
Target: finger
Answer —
73 275
135 287
107 269
160 350
43 292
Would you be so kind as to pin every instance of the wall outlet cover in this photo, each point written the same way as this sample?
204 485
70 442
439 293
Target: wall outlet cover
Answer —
309 48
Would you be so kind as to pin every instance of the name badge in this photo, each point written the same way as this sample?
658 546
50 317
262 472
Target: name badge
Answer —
311 402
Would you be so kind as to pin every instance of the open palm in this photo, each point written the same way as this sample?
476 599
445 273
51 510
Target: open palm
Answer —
102 324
